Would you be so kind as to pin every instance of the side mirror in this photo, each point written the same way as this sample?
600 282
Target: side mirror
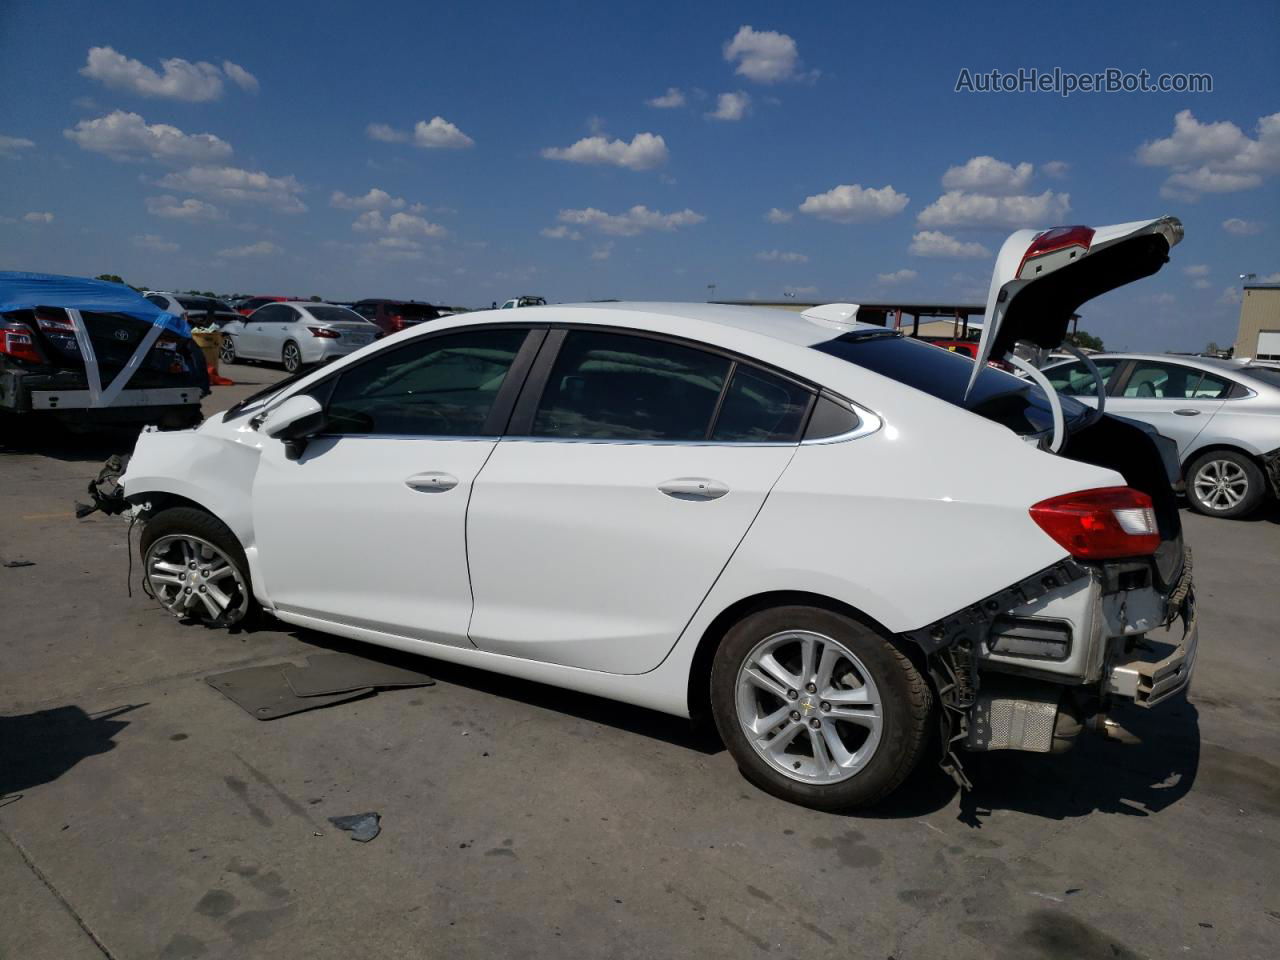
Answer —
294 422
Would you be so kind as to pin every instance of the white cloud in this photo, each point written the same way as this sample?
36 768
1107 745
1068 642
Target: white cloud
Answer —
153 243
37 216
12 147
782 256
933 243
602 252
560 233
1243 228
375 199
386 133
673 98
1269 278
234 185
170 208
440 134
731 106
778 215
801 291
263 248
1201 284
764 56
636 220
988 175
394 248
1213 157
644 152
124 136
956 208
241 77
898 276
179 80
1055 169
1196 270
852 203
1230 295
397 225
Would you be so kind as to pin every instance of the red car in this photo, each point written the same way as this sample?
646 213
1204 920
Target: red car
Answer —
246 307
392 316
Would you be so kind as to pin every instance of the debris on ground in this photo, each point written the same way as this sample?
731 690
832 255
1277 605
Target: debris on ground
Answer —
363 826
281 689
19 563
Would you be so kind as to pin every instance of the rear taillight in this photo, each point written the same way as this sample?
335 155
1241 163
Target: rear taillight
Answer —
17 341
1100 524
324 334
1051 241
55 326
396 321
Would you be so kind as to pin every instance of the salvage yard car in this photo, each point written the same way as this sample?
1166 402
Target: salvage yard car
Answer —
1223 414
295 334
704 508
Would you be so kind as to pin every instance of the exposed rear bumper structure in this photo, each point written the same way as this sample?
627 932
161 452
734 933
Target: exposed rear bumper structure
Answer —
1154 670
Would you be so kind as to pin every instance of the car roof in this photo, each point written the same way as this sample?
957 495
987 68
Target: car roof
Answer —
789 326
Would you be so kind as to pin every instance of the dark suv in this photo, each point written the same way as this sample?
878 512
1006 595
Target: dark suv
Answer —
394 315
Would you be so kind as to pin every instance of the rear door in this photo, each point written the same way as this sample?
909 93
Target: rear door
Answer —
1176 399
633 468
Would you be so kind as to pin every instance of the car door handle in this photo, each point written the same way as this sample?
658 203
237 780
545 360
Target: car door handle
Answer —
1187 412
434 482
694 488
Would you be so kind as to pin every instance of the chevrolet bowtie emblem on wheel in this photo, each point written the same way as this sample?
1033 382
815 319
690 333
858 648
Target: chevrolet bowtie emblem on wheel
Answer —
808 705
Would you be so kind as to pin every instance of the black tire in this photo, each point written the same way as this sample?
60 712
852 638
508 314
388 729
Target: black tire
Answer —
1215 477
291 357
188 521
906 706
227 352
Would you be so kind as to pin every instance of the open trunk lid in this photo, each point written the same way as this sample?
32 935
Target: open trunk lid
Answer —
1042 277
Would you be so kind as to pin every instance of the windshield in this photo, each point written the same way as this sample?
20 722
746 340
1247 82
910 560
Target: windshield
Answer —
335 315
1018 404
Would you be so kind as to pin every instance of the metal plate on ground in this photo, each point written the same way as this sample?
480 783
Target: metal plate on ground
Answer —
264 694
331 673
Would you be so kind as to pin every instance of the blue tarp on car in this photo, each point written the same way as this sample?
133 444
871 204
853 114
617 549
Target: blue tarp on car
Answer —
26 291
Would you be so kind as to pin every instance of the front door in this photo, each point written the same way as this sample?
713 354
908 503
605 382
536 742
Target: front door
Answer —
594 537
367 526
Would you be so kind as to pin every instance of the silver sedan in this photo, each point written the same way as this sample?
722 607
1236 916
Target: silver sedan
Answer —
1223 414
296 334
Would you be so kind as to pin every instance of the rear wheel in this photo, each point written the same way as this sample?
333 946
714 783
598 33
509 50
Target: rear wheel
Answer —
1223 483
291 357
817 708
227 352
196 568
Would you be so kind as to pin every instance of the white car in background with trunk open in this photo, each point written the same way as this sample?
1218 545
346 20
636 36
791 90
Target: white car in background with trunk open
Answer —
703 508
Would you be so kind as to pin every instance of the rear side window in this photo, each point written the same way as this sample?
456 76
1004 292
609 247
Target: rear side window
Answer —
1153 380
761 407
436 387
611 386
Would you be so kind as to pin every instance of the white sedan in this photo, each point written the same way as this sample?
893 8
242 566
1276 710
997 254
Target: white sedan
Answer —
836 541
296 333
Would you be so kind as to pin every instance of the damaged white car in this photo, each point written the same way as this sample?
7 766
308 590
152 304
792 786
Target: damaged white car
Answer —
837 541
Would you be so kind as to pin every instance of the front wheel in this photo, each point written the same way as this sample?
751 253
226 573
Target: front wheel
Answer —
817 708
1223 483
227 351
195 567
291 357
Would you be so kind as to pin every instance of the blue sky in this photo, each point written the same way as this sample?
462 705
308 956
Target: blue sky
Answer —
296 149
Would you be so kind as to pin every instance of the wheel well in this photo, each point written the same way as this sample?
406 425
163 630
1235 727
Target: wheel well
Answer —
1217 448
164 501
699 691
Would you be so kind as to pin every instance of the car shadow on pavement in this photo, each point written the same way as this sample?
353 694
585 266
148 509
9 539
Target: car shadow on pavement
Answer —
648 723
38 748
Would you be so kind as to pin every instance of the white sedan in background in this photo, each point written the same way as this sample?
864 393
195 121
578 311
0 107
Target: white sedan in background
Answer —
707 509
296 333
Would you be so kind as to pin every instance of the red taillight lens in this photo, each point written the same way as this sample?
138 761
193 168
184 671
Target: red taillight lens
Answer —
17 341
397 322
55 325
1100 524
1059 238
324 334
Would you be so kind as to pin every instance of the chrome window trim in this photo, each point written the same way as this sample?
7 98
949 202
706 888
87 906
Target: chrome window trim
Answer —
868 423
651 443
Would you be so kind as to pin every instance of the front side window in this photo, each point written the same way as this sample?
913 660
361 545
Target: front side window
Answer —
159 301
1153 380
1075 380
271 313
612 386
435 387
761 407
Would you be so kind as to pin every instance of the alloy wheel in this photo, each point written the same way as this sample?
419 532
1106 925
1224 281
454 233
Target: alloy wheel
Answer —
809 707
227 352
1220 484
292 358
193 579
